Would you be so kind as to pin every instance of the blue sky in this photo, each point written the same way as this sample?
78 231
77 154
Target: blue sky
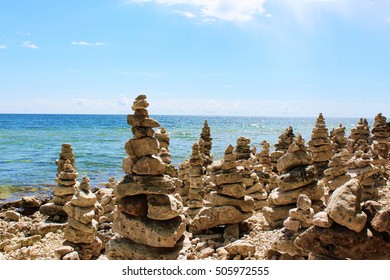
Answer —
213 57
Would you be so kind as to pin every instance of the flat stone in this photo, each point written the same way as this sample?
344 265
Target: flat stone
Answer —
275 215
134 185
163 207
149 232
83 198
291 224
255 188
62 191
292 160
245 204
241 247
125 249
30 202
68 176
12 215
279 197
142 147
210 217
51 209
344 206
263 195
234 190
227 178
321 219
88 228
297 177
338 242
142 121
149 165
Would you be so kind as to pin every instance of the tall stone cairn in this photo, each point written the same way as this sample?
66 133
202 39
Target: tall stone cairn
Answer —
83 213
183 175
360 166
163 138
320 145
66 154
284 141
63 192
148 215
229 205
380 146
196 192
264 168
337 173
205 145
243 150
297 177
339 140
360 136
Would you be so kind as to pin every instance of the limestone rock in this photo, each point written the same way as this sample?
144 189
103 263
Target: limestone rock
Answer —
149 165
279 197
163 207
241 247
297 177
245 204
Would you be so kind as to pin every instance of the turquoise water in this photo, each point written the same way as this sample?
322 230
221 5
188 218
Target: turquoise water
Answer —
30 144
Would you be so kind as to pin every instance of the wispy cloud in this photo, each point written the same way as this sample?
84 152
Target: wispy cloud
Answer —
83 43
227 10
184 13
3 46
28 44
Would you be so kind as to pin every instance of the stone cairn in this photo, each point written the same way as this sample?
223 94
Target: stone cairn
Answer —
380 146
284 141
297 177
337 173
205 144
360 136
264 168
183 175
163 139
228 203
339 140
361 166
245 165
299 219
148 215
339 231
320 145
81 231
66 154
63 192
195 193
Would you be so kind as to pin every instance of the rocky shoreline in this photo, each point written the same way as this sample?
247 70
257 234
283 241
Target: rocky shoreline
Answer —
327 199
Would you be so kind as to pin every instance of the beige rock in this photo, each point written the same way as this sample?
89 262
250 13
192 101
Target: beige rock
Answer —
83 214
241 247
142 147
234 190
62 191
297 177
303 202
72 256
291 224
134 185
292 160
163 207
206 252
227 178
344 206
321 219
83 198
279 197
210 217
143 121
245 204
128 164
12 215
88 228
77 236
149 232
149 165
51 209
62 251
275 215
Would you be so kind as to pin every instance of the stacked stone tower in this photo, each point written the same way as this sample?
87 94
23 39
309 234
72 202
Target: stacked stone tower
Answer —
320 145
339 140
63 192
66 154
285 140
360 136
205 144
380 146
148 215
196 193
337 173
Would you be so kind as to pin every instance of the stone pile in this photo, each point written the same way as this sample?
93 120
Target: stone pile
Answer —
195 193
163 139
111 183
263 158
380 146
337 173
297 177
66 154
339 140
340 230
183 175
361 166
148 215
205 144
106 199
300 217
81 231
229 205
320 145
243 150
284 141
63 192
360 135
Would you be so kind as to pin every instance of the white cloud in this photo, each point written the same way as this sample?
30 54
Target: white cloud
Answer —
3 46
83 43
184 13
124 101
28 44
229 10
